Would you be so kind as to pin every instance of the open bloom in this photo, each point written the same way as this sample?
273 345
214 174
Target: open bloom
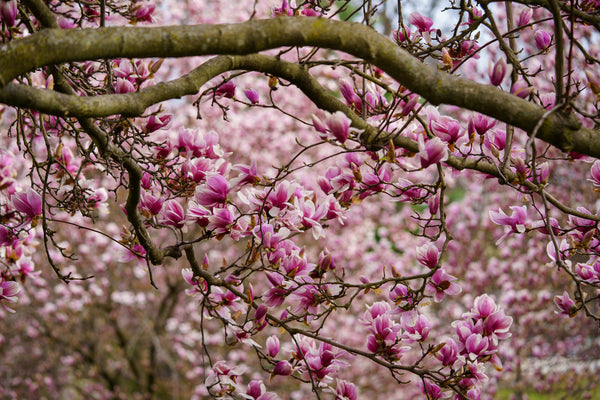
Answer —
8 293
214 192
226 89
595 172
422 23
566 305
431 152
448 129
173 214
28 203
480 124
345 390
440 285
516 221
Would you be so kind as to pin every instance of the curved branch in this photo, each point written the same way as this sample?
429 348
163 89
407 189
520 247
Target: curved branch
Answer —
54 46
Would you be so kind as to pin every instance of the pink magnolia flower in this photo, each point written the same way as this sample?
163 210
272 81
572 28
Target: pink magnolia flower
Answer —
226 89
173 214
384 334
124 86
222 219
279 291
595 172
563 248
432 391
402 297
308 11
428 255
260 317
136 253
214 192
580 223
248 174
474 15
150 203
586 272
280 197
416 327
156 122
345 390
516 221
440 285
26 268
339 125
448 129
268 236
8 12
431 152
409 104
375 310
257 391
8 293
433 203
476 346
251 95
520 89
498 71
490 319
144 12
198 214
272 346
7 237
283 368
448 354
422 23
480 124
525 16
311 215
28 203
352 99
319 125
566 305
306 299
402 34
284 10
542 39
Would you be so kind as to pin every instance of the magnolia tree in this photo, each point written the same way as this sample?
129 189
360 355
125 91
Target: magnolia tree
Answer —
334 188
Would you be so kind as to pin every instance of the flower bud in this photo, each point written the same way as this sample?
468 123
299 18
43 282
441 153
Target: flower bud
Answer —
542 39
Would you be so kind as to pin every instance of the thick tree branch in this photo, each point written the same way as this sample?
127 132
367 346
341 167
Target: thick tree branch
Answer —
52 46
